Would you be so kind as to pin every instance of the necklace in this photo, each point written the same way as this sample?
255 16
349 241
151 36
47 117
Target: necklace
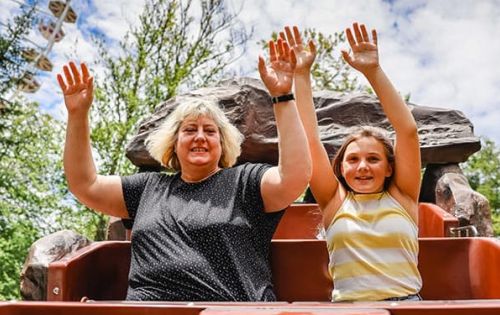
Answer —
200 180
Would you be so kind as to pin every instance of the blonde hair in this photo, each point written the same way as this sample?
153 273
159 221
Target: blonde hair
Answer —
378 134
161 142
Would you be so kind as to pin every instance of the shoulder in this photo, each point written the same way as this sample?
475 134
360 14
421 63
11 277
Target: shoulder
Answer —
146 178
247 170
405 201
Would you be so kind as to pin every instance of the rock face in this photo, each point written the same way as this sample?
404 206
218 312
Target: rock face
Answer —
44 251
446 136
447 186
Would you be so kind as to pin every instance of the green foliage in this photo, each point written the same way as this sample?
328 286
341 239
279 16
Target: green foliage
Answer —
483 172
329 71
34 200
11 44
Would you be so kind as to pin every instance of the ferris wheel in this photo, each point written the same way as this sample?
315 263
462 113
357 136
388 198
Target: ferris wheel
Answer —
50 28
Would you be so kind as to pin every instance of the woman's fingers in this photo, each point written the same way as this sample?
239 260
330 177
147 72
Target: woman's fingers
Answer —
67 75
281 53
262 67
286 50
90 87
357 32
364 33
272 51
85 72
293 59
61 83
350 38
282 36
76 74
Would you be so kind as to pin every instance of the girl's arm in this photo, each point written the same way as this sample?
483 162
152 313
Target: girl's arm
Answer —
364 58
323 182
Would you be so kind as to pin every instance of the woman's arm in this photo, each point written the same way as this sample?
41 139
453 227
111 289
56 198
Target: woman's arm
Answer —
364 58
281 185
323 182
102 193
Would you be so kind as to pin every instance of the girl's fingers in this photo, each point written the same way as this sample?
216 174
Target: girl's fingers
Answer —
85 72
374 36
364 33
289 36
298 39
76 74
272 51
347 57
61 83
350 38
68 76
357 32
312 47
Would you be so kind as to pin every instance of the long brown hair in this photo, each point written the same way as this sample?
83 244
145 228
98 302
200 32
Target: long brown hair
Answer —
365 131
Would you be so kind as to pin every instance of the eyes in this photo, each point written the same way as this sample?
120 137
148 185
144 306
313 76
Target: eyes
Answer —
356 159
192 129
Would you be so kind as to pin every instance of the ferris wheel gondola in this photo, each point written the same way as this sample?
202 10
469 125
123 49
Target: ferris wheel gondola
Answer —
57 8
43 63
48 29
28 84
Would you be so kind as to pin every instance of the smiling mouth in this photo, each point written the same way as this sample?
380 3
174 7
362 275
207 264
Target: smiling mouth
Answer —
364 178
199 150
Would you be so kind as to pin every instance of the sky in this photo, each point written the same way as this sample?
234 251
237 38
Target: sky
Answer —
444 53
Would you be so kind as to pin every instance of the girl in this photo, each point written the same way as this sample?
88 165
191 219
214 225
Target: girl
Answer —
369 197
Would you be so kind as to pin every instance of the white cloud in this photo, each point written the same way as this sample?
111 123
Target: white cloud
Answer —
445 53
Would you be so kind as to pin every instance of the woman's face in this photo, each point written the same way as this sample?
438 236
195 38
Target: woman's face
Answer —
198 143
365 165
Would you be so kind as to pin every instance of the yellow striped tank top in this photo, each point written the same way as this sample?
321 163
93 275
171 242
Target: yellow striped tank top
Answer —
373 249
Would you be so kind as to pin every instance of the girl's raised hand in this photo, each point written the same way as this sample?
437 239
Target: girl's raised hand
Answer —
278 74
77 88
364 53
305 57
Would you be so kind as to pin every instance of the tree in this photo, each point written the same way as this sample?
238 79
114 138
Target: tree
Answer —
483 172
11 45
170 49
329 71
34 200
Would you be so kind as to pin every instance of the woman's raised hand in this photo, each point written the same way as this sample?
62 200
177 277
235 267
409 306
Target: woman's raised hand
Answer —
305 57
364 53
77 89
278 74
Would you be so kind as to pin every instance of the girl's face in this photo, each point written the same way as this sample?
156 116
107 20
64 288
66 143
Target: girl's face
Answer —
365 165
198 143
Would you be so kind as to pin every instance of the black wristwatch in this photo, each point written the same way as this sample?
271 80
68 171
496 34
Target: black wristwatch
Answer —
282 98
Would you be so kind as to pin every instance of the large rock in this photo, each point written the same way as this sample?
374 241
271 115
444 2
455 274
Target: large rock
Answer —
446 135
44 251
447 186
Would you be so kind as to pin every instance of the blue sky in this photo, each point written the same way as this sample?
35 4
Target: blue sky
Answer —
445 53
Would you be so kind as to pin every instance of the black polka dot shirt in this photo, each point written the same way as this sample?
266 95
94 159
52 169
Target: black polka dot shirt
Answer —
206 241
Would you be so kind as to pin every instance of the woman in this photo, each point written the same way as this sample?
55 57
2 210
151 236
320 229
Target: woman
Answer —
369 198
204 233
